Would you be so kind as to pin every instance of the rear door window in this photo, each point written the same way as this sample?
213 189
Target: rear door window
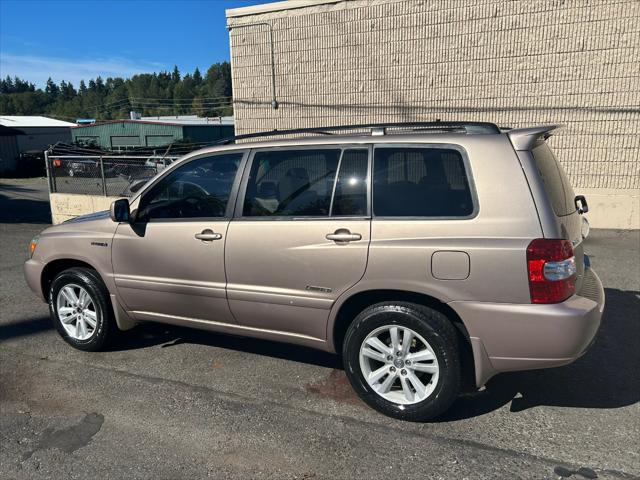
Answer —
420 182
350 197
307 183
555 180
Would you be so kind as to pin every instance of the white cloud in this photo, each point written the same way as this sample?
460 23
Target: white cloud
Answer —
38 69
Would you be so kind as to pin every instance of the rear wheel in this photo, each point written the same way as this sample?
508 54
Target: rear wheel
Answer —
402 359
80 309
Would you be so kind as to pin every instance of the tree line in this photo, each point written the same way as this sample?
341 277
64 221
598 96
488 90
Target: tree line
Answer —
163 93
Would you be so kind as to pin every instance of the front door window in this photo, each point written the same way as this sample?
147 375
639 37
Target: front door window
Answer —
199 189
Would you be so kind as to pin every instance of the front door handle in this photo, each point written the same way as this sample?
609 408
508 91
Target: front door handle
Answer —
208 235
343 235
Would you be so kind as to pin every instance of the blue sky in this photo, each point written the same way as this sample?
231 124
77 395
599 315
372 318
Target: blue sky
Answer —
80 39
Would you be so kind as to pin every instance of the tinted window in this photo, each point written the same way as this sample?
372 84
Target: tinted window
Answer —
555 181
199 189
350 196
420 182
291 183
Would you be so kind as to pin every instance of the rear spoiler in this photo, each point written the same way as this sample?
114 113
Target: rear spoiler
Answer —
526 138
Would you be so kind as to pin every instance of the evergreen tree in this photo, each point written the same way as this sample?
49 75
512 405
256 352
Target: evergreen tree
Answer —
51 89
162 93
67 92
6 85
197 77
175 75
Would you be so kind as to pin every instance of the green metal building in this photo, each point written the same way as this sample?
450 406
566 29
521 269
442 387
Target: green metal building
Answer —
123 134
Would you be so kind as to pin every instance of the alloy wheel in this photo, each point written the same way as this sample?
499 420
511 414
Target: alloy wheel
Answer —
399 364
76 312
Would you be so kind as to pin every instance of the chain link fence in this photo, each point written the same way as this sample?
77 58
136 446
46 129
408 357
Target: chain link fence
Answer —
107 175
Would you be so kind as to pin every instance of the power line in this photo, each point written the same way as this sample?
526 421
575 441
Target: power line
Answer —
186 104
152 105
170 107
173 100
183 104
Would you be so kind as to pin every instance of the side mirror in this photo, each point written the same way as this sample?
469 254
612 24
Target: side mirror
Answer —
120 210
581 204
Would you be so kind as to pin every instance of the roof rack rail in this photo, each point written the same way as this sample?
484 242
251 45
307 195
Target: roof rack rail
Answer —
377 129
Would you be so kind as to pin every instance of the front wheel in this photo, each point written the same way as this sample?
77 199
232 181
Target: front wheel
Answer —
403 360
80 309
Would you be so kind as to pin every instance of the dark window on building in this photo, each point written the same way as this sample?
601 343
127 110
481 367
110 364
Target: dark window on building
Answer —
159 140
125 141
199 189
351 186
555 181
291 183
420 182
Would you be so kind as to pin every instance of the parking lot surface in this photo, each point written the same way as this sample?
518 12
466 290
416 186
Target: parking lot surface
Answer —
168 402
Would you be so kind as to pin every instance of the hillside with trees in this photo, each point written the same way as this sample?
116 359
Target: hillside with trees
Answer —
163 93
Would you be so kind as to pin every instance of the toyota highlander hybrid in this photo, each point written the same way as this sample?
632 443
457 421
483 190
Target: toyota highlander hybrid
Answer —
430 256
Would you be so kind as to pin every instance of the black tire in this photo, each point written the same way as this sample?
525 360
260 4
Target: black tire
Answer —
105 328
435 328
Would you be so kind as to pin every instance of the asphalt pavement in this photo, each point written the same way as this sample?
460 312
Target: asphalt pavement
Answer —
168 402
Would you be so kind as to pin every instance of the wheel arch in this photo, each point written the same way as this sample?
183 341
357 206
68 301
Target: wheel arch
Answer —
54 267
354 304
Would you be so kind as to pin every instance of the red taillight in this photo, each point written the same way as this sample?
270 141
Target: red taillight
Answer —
57 162
552 270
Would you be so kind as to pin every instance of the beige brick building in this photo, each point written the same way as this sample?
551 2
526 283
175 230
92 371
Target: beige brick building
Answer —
515 63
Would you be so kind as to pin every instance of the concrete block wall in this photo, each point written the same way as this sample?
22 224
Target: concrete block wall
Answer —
515 63
65 206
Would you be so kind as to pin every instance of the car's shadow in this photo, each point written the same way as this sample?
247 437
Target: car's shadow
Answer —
605 377
167 336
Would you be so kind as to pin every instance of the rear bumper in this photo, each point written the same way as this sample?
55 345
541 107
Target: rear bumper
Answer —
507 337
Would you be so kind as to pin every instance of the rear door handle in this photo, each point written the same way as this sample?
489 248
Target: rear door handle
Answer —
343 235
208 235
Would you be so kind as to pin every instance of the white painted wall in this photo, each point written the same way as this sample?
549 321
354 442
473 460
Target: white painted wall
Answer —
612 208
65 206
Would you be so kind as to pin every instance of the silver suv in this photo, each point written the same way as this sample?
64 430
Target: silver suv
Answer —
429 255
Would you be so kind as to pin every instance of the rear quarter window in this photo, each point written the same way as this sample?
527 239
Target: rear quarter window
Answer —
555 180
420 182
